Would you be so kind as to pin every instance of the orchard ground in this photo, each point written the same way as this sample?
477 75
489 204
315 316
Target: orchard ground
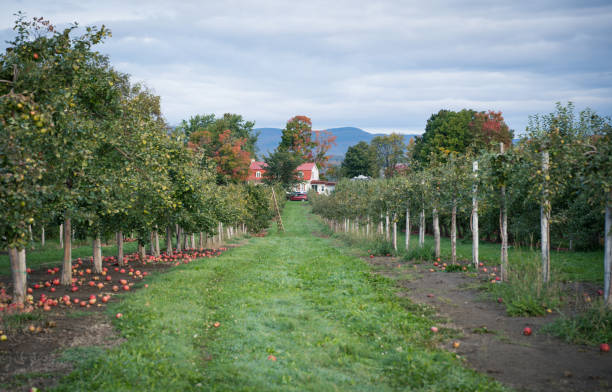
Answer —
294 311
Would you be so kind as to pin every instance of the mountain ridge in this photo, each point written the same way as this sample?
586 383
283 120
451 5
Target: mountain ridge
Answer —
269 138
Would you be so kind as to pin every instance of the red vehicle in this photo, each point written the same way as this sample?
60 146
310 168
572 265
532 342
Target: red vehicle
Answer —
299 196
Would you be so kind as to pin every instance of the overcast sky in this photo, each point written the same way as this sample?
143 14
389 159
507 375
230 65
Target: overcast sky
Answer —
379 65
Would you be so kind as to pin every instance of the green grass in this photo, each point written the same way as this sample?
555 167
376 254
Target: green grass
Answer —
330 322
20 320
593 326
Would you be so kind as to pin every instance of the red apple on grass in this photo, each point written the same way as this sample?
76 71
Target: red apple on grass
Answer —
527 331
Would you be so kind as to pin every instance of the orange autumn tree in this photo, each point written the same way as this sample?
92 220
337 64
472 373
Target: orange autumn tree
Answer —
324 140
490 128
297 138
226 151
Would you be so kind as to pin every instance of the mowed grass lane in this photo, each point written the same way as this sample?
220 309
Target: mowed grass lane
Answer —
328 321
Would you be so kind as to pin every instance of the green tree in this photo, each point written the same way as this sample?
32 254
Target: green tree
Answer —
76 86
390 150
360 159
197 123
445 132
281 169
22 127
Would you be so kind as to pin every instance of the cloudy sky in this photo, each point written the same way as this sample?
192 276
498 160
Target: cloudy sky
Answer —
379 65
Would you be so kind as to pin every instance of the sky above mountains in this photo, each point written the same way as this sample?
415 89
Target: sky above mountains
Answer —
381 66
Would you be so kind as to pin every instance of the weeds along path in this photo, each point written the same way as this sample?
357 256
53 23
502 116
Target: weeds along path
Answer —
285 312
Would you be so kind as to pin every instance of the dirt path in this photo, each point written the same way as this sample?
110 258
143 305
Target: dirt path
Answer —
492 342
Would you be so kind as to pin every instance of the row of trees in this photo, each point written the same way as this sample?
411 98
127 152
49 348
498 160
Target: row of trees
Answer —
446 131
554 184
83 147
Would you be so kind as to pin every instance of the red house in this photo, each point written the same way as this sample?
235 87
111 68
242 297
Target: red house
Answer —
256 171
307 172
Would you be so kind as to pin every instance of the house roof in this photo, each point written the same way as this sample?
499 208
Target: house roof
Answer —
306 166
255 165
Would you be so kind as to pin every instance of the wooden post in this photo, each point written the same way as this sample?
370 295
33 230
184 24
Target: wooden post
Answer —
61 235
422 228
545 220
474 220
387 228
42 236
454 232
407 228
503 229
394 231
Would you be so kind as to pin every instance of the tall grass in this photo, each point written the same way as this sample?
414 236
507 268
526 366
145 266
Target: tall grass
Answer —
525 294
593 326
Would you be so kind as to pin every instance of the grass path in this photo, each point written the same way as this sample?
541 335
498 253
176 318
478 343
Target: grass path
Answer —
329 322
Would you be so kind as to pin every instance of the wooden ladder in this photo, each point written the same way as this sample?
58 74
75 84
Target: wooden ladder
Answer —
279 220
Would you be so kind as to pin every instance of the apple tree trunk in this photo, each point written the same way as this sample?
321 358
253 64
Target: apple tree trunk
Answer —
97 254
142 251
67 263
120 248
168 240
436 230
20 276
179 246
152 243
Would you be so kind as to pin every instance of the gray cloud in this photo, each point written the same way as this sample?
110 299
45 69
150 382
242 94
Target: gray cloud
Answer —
378 65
